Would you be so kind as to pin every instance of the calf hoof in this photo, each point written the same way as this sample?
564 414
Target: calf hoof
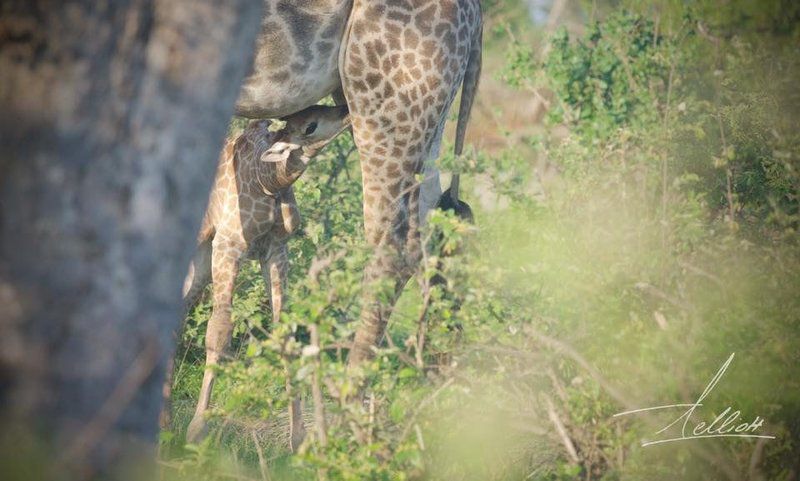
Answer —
461 209
197 430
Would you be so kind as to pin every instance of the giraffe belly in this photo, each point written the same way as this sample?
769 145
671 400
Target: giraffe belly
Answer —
296 62
263 98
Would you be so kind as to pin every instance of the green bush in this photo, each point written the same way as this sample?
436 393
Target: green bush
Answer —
665 241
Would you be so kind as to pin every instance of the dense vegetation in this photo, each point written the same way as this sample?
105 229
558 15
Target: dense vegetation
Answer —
621 253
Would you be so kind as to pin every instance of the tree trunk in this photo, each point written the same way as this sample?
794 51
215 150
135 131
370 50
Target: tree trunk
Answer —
112 115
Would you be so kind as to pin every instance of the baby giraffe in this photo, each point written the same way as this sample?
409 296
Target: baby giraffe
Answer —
251 213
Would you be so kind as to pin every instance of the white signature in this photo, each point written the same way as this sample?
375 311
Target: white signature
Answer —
725 425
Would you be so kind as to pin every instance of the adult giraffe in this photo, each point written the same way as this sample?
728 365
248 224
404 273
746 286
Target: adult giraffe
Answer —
399 64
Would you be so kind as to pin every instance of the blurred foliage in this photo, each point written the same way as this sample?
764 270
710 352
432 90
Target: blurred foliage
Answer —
604 81
653 232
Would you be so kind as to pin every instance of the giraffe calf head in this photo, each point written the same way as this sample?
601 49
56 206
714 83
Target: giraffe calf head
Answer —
307 132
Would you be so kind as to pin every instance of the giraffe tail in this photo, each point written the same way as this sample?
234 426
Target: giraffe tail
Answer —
468 90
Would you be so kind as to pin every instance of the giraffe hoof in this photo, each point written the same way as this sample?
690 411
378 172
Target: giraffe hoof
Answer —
197 430
461 209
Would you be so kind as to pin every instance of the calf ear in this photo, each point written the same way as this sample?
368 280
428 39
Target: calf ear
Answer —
279 152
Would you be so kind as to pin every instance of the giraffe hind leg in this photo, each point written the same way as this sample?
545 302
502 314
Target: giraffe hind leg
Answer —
196 280
199 275
224 267
430 190
461 209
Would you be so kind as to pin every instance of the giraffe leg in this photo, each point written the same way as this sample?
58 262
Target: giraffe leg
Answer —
399 85
431 187
199 275
224 267
393 228
388 265
275 269
197 279
462 210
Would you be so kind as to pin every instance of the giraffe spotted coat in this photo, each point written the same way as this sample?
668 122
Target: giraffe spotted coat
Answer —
398 64
251 213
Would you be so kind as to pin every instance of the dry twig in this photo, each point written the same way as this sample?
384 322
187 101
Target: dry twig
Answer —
562 431
262 464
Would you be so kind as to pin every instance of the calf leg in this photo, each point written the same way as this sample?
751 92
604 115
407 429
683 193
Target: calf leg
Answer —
199 275
197 279
224 267
275 269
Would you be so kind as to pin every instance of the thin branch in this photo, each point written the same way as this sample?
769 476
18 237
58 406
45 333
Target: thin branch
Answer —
316 389
728 177
262 464
422 324
754 473
412 419
400 354
723 463
562 431
420 440
567 350
662 295
562 393
701 272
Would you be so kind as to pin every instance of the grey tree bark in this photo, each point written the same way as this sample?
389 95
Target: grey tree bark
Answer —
112 114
